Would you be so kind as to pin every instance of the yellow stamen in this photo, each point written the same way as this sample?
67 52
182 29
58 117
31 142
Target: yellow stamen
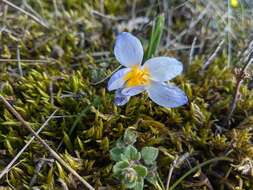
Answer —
137 76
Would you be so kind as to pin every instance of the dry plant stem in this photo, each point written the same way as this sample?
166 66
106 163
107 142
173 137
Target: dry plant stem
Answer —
133 10
56 10
109 17
212 57
36 172
102 6
25 12
192 25
229 15
19 64
234 100
192 50
29 61
178 161
63 184
239 82
51 90
52 152
27 6
7 168
59 146
169 176
190 55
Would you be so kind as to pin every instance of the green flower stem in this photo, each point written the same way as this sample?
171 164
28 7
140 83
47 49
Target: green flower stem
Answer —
158 187
160 181
196 168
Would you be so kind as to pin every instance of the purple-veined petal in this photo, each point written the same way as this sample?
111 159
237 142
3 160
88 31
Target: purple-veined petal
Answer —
166 95
132 91
163 68
128 49
116 81
120 99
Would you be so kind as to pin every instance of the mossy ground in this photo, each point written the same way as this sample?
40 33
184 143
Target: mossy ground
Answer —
76 51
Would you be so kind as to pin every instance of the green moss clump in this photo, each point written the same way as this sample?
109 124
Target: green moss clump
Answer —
88 124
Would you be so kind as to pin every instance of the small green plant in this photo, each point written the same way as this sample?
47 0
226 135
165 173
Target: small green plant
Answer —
156 35
133 167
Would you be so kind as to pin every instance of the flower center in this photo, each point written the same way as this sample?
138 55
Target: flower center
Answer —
137 76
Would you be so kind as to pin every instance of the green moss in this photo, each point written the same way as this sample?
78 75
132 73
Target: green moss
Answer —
89 123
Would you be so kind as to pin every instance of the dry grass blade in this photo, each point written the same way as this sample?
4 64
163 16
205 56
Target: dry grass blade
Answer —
239 80
52 152
25 12
176 163
212 57
7 168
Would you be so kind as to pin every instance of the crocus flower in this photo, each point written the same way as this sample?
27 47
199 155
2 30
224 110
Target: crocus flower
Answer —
150 77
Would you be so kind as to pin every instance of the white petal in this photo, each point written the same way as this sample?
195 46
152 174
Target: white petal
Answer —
116 81
132 91
120 99
167 95
163 68
128 49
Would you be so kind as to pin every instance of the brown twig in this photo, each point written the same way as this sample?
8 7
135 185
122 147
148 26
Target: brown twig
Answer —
186 66
38 167
25 12
60 144
29 60
240 76
212 57
191 26
192 50
176 163
7 168
51 90
52 152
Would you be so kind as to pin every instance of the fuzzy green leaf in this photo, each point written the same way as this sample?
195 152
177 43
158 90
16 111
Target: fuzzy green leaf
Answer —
130 185
116 153
149 155
131 153
139 184
141 170
130 137
119 166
